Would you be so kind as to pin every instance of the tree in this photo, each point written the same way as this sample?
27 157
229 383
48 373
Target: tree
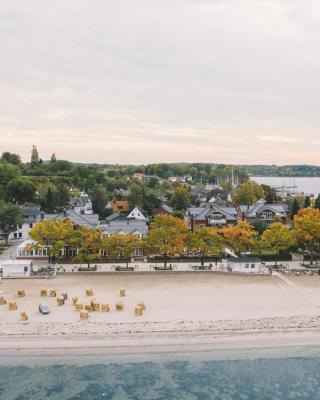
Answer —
53 234
306 230
99 200
180 199
270 194
34 156
277 238
307 202
295 207
248 193
87 242
48 202
241 236
136 195
10 218
8 172
21 190
11 158
317 202
53 158
167 236
206 241
119 245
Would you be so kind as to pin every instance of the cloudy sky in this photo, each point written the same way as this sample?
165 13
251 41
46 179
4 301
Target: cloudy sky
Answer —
123 81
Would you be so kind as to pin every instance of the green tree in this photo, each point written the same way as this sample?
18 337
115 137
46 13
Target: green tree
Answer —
270 194
206 241
317 202
53 158
241 237
307 202
180 199
21 190
248 193
295 207
11 158
34 156
167 236
121 246
277 238
10 217
136 196
8 172
99 200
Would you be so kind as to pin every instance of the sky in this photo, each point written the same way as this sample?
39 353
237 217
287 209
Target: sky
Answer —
123 81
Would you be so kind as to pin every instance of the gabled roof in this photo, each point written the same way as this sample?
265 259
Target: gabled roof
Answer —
115 216
128 227
90 220
259 207
202 213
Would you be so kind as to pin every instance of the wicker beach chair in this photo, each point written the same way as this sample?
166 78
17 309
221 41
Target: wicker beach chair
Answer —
43 292
24 316
3 300
13 306
84 315
105 307
53 293
142 304
119 306
21 293
89 292
138 311
79 306
74 300
122 292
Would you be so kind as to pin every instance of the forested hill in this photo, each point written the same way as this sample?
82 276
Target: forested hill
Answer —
282 170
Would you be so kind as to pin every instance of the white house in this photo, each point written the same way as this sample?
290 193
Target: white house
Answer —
16 268
27 251
30 216
247 265
82 204
137 214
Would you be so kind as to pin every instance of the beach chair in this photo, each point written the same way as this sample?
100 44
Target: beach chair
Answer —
88 307
79 306
13 306
142 304
53 293
43 292
122 292
95 306
74 300
84 315
89 292
105 307
138 311
3 300
119 306
24 316
21 293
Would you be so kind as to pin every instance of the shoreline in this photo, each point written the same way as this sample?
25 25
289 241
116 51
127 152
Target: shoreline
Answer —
44 350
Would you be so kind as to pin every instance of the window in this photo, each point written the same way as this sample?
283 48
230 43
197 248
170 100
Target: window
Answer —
25 269
253 265
20 234
30 225
15 235
247 265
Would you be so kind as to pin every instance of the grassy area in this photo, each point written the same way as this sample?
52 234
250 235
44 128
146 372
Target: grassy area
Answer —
3 248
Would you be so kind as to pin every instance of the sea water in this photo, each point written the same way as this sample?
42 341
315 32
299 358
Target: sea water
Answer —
258 379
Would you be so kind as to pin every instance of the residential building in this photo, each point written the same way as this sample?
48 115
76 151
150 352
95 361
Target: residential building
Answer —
164 209
125 227
118 206
268 213
248 265
211 215
82 204
89 220
137 214
15 268
30 215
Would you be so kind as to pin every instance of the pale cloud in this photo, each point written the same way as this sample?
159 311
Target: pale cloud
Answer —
161 80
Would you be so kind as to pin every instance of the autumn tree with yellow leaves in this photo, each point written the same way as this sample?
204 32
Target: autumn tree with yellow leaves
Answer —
241 236
120 245
206 241
306 230
277 238
167 236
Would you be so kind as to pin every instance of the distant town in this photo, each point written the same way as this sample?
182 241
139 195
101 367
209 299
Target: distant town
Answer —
61 211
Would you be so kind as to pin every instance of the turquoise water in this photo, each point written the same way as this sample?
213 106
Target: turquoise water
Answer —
262 379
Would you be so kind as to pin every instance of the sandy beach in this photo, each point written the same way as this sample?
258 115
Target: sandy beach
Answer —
182 309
